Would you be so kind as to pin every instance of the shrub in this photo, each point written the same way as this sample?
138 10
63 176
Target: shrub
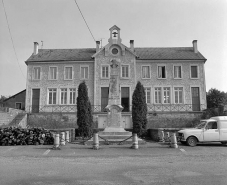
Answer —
84 112
139 110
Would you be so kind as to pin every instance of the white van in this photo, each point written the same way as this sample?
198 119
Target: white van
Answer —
210 130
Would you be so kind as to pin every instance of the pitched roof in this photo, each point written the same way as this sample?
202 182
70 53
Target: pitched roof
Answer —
63 55
14 95
178 53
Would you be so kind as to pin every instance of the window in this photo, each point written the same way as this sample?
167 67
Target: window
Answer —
115 51
166 94
84 72
177 72
68 73
52 96
53 73
105 71
18 105
162 95
148 94
145 71
161 71
125 71
194 71
72 96
157 91
63 96
212 125
36 74
178 94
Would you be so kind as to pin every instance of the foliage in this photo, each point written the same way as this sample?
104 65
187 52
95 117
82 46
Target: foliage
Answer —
30 136
216 98
84 112
139 110
2 98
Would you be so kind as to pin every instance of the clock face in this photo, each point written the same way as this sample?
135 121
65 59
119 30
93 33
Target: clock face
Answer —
115 51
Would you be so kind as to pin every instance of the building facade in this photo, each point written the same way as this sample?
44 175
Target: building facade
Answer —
17 101
174 78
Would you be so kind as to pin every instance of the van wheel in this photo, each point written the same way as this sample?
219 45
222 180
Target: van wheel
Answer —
224 143
191 141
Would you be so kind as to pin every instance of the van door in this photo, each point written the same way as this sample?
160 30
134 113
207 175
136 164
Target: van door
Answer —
223 130
211 132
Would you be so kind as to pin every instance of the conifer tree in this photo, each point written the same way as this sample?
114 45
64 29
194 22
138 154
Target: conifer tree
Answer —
84 112
139 110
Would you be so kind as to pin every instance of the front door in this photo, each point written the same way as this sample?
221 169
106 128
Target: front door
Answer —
104 98
125 99
195 99
35 100
211 132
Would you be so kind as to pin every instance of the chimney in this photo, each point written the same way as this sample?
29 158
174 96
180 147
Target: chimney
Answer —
97 45
132 45
195 48
36 48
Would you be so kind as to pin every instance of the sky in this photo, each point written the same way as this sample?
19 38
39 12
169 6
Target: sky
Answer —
150 23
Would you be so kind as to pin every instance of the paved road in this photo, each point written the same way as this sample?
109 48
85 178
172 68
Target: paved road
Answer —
153 163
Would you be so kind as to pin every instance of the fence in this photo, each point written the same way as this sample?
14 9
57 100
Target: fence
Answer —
99 108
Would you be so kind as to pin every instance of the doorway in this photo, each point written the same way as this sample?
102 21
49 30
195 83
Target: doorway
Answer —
125 99
18 105
195 99
104 98
35 100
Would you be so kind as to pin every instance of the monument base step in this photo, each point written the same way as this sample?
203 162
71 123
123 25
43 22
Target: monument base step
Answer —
125 133
114 129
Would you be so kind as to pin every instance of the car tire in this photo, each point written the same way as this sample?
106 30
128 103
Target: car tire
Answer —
224 143
191 141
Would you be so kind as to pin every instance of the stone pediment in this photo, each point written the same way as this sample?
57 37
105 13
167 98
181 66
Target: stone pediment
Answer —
114 48
107 49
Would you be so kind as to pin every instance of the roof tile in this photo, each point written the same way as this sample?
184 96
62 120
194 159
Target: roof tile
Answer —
178 53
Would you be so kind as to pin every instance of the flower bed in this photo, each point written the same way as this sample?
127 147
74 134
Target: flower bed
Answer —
31 136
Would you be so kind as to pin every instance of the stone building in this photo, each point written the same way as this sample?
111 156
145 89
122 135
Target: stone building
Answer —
174 78
17 101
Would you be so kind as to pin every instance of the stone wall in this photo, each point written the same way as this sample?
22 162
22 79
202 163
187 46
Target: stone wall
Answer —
186 82
173 120
44 83
52 121
102 59
154 134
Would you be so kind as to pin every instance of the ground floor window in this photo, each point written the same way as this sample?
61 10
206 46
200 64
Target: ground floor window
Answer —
67 96
18 105
148 94
166 94
63 96
162 95
178 95
157 91
72 96
52 96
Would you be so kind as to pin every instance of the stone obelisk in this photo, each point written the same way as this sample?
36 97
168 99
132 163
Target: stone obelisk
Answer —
114 107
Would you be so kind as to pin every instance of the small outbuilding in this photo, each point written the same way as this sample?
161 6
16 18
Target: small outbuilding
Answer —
16 101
